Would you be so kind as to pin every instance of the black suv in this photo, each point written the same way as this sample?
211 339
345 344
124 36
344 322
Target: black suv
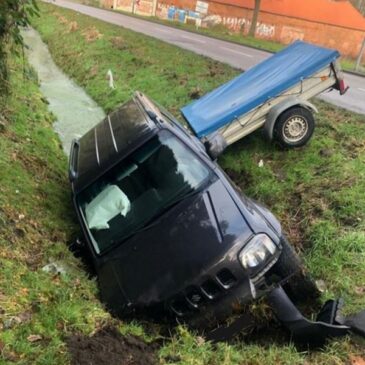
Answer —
167 229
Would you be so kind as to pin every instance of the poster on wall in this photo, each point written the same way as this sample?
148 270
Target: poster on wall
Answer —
201 7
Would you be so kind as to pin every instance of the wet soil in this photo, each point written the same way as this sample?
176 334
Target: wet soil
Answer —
109 347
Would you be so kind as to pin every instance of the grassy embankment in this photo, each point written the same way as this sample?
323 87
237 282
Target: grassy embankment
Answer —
318 193
37 309
221 32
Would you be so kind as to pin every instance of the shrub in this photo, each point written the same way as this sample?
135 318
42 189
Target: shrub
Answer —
14 14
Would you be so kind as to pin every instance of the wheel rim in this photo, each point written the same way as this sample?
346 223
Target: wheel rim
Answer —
295 128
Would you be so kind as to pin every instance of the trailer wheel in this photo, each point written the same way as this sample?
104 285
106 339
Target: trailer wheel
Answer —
294 127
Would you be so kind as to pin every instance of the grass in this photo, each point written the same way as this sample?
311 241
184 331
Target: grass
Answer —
317 192
222 32
36 221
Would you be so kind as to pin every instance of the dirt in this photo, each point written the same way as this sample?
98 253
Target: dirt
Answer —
91 34
3 124
109 347
73 27
195 93
62 19
119 43
241 178
326 152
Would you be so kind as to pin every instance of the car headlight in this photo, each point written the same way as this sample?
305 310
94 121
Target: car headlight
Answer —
257 252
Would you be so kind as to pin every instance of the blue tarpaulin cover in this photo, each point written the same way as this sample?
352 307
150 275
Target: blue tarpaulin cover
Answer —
252 88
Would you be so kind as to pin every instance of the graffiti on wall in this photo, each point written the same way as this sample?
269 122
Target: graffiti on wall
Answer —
239 25
265 30
234 24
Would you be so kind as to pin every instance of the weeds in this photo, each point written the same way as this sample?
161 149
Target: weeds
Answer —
317 192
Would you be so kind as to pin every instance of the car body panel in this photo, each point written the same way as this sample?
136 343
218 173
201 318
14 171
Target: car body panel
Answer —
194 243
109 141
196 235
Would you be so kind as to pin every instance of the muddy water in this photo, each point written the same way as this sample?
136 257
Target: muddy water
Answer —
75 111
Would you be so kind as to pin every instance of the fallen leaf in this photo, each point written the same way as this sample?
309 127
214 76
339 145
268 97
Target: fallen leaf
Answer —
34 338
357 360
321 285
25 316
11 356
200 341
359 290
11 322
77 283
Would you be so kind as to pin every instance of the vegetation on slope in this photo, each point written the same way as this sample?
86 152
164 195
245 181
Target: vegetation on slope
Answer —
13 15
317 192
37 309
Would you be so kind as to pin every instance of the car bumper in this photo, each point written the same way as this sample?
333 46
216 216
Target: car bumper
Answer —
212 301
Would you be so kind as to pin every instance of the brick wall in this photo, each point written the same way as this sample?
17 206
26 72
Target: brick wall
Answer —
274 27
142 7
107 4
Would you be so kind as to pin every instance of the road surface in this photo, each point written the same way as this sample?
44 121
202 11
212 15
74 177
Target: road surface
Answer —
236 55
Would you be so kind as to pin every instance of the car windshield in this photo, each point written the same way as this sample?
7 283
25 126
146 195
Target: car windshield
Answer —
140 188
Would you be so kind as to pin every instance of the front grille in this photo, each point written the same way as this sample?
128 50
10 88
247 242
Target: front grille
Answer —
211 288
180 306
195 296
226 278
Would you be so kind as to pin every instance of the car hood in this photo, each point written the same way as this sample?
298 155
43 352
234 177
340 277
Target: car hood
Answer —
186 244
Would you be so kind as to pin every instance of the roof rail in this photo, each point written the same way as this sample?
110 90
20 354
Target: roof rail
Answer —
75 145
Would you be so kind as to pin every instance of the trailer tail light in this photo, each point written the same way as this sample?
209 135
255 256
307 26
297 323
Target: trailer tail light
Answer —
342 86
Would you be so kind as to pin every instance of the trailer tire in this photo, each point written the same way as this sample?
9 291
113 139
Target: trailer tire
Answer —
294 127
300 286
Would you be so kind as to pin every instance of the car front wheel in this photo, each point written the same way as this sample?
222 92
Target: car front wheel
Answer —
299 286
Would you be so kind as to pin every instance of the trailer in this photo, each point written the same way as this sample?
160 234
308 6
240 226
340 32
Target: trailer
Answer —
274 95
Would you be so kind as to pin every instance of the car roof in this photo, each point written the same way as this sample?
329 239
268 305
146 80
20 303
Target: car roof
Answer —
118 134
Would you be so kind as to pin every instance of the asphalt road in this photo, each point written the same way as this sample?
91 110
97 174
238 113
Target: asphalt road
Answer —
238 56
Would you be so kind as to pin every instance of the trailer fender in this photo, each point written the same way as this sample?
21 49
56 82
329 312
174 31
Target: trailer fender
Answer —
276 110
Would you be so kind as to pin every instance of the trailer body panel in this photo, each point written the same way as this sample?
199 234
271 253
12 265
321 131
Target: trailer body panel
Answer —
289 69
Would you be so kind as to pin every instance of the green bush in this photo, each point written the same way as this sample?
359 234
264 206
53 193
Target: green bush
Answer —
14 14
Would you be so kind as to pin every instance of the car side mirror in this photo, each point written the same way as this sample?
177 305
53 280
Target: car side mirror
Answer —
215 144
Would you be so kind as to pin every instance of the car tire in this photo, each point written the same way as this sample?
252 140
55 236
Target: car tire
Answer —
294 127
299 286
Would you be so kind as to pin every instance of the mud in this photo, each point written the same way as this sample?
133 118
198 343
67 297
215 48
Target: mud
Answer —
195 93
109 347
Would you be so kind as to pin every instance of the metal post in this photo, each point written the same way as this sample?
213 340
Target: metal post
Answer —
362 49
